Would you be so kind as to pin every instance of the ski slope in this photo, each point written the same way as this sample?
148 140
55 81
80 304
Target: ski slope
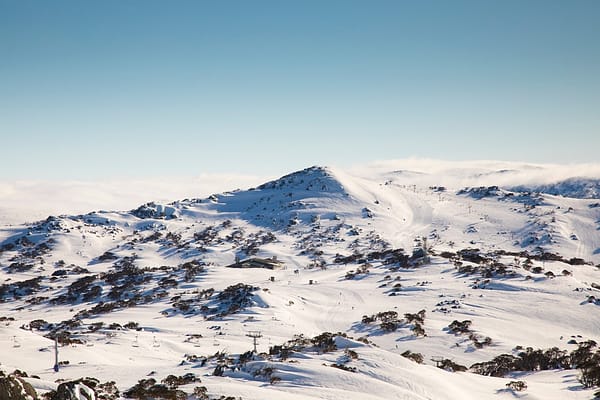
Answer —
329 227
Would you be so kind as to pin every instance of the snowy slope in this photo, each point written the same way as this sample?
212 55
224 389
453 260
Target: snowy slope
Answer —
148 292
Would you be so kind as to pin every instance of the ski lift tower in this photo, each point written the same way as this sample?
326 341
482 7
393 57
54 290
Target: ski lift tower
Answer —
254 335
56 354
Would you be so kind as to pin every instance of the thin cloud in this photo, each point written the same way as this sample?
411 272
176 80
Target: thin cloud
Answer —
456 174
26 201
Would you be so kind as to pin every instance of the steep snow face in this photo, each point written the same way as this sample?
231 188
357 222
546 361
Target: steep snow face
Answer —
395 260
289 200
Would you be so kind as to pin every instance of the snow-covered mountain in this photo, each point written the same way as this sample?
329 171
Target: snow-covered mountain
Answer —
380 275
573 187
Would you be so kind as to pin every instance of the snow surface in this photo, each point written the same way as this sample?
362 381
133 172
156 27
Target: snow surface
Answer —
308 219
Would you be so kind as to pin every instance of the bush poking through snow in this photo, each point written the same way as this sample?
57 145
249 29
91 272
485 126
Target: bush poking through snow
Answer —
325 342
517 386
460 327
173 381
590 372
351 354
343 367
449 365
201 393
416 357
149 389
586 358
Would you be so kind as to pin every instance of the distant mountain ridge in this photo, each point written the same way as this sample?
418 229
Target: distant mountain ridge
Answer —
578 188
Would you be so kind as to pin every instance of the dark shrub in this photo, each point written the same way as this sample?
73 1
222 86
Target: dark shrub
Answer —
517 386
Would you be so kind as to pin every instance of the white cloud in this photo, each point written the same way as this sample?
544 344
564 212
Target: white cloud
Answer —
457 174
25 201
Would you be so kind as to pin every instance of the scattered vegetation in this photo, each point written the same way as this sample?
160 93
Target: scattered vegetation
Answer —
586 358
389 321
150 389
517 386
449 365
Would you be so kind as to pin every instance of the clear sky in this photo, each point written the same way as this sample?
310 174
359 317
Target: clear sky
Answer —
100 89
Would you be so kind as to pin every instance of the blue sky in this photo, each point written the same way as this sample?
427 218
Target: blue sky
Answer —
142 88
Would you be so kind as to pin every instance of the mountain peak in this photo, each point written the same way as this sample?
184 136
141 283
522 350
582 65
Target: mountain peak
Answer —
315 178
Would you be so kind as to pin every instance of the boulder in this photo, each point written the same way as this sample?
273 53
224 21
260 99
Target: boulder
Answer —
75 390
14 388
